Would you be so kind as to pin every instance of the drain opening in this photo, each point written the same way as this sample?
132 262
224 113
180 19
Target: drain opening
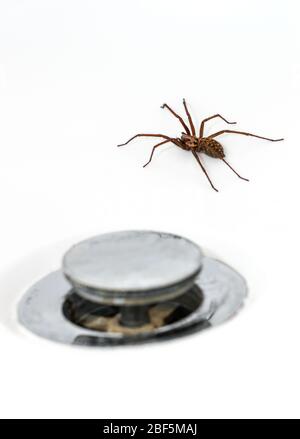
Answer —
126 320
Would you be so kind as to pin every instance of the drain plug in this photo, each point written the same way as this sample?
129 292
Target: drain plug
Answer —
130 287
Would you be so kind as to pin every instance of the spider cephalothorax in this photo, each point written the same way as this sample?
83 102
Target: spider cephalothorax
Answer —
190 142
205 145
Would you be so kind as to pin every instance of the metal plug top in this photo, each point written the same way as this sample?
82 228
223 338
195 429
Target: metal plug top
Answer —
132 267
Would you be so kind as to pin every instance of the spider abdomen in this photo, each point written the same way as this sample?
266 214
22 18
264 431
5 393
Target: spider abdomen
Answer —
211 148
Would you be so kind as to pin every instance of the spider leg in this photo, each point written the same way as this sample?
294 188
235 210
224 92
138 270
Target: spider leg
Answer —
204 170
209 118
153 149
246 179
243 133
178 117
189 118
145 135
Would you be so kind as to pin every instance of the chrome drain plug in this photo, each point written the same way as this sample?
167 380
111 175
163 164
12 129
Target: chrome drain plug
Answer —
131 287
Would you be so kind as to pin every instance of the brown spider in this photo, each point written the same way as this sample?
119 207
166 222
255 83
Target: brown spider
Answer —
190 142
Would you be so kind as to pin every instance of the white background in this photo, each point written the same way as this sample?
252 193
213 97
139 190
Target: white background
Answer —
78 77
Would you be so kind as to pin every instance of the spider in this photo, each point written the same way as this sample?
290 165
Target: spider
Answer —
201 144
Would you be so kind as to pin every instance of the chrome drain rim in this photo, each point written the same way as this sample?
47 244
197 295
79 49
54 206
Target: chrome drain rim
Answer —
41 309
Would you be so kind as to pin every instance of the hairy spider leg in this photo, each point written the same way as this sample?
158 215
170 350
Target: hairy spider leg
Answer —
189 118
178 117
243 133
153 149
246 179
204 170
147 135
209 118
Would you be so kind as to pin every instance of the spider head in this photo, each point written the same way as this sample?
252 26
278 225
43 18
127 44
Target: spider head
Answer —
190 141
